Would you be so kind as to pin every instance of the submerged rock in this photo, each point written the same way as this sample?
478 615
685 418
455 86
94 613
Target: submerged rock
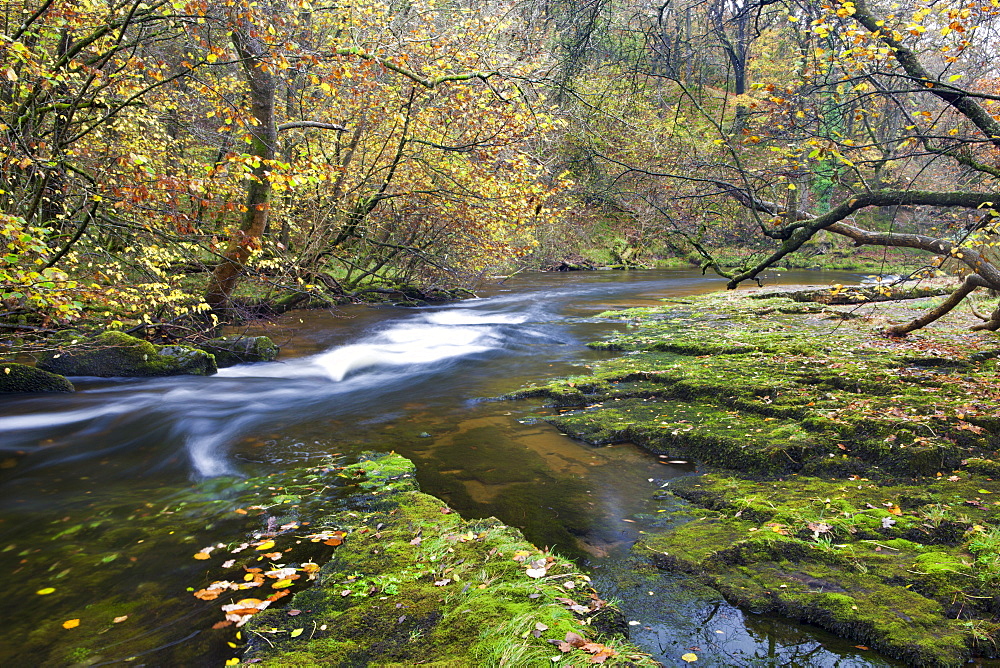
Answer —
233 350
18 378
116 354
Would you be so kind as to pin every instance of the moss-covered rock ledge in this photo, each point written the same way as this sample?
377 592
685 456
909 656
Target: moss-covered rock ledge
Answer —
855 478
410 582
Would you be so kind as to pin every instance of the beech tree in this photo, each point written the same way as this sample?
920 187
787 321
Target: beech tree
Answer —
321 150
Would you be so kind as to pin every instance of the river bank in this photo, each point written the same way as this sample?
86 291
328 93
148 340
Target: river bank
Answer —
852 477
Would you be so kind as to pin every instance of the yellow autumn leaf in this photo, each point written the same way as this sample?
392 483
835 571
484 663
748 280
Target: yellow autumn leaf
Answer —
266 545
282 583
47 590
201 555
296 633
232 662
690 657
71 623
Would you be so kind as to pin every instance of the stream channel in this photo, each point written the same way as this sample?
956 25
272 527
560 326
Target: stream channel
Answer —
105 494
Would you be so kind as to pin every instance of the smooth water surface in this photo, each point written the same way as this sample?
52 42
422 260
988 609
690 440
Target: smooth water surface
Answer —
106 493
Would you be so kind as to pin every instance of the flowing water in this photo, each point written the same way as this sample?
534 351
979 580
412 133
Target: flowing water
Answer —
106 493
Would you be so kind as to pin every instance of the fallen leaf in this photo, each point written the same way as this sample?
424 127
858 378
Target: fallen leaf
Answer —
46 591
861 647
293 612
266 545
119 620
535 572
208 594
295 633
281 584
202 555
71 623
690 657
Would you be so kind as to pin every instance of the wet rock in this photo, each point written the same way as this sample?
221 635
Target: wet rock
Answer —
233 350
115 354
21 378
412 584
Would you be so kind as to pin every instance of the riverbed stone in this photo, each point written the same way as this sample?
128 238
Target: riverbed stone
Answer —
114 354
21 378
233 350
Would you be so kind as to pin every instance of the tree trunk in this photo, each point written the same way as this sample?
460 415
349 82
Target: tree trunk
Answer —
264 138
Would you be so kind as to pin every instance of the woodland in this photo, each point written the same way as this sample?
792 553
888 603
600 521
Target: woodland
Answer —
167 166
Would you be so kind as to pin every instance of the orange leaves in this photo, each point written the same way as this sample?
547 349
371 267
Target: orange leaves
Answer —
599 652
331 538
71 623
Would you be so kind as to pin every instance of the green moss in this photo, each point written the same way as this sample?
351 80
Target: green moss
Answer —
18 378
116 354
415 583
854 477
232 350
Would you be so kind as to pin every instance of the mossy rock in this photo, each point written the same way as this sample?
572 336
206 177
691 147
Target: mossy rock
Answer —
114 354
233 350
21 378
414 583
855 476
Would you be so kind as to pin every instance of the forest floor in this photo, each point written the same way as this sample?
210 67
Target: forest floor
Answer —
851 480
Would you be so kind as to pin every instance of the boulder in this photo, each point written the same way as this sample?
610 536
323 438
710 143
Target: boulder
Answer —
233 350
117 354
18 378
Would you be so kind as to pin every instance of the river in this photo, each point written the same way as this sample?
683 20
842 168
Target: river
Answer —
86 479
